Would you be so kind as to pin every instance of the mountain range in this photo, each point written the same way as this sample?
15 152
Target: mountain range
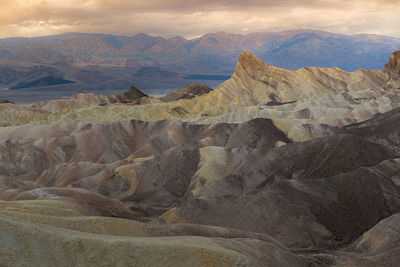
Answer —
71 60
211 53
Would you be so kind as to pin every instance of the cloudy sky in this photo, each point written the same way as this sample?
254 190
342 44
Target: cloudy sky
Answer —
190 18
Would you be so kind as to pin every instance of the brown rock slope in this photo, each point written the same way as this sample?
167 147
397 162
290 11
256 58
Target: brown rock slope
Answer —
58 234
61 154
320 194
379 246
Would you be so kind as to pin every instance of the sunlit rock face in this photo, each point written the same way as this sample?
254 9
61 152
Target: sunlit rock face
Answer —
393 67
272 168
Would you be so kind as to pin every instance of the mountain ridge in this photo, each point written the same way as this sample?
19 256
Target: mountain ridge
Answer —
266 45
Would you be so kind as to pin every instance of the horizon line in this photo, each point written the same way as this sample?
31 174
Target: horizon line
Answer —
198 36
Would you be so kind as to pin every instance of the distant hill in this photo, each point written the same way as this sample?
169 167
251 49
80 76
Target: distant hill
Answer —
45 81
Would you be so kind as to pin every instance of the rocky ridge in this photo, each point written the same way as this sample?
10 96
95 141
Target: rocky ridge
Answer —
186 92
307 98
83 100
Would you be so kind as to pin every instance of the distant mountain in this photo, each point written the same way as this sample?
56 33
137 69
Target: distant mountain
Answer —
45 81
213 53
76 48
100 61
16 76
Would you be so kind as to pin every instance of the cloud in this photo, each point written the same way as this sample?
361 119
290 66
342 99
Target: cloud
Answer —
192 18
227 5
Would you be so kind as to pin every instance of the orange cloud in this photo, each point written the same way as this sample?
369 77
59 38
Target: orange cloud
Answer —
192 18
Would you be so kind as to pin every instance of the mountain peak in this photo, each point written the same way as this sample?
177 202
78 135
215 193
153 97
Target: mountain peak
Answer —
393 66
250 64
132 94
186 92
141 34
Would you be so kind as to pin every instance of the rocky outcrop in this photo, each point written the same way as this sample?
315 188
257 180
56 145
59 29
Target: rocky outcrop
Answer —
5 101
186 92
393 67
128 96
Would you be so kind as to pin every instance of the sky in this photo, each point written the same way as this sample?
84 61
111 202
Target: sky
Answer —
191 19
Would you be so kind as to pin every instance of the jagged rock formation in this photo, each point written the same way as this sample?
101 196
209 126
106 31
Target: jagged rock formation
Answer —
5 101
393 67
272 168
186 92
